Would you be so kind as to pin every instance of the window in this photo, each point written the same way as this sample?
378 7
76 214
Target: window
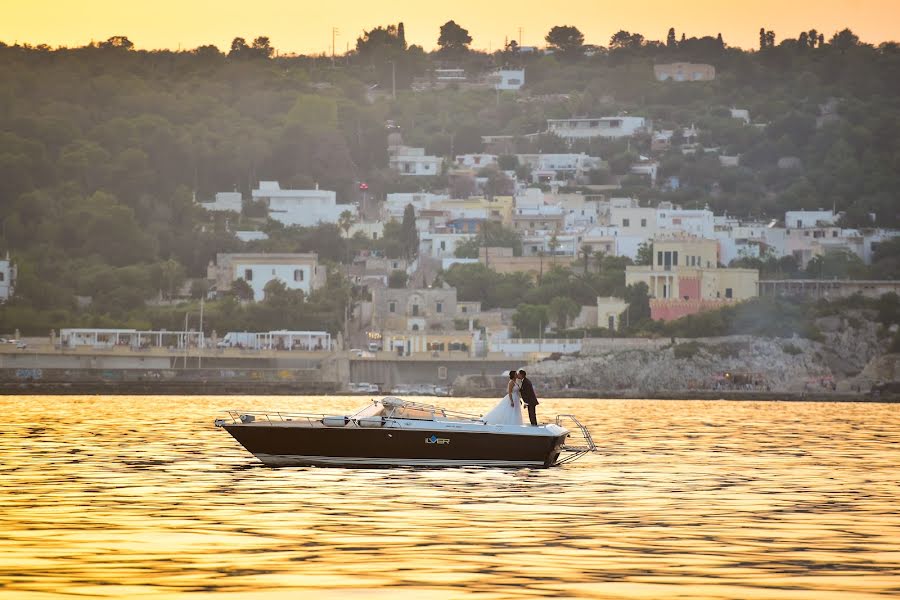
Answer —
463 309
643 222
415 327
514 81
728 293
2 276
439 307
626 222
395 265
374 235
298 275
248 274
834 233
392 307
675 258
659 259
415 310
443 245
611 323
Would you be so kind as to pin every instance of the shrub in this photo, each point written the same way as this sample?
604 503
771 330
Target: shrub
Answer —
791 349
688 349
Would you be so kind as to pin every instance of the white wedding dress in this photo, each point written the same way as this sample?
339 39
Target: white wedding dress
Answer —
507 412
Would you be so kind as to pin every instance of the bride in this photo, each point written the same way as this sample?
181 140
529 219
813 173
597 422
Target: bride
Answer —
508 411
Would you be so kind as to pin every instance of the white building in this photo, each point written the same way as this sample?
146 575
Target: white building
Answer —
476 161
633 219
406 160
509 79
698 223
442 245
305 208
805 219
396 203
7 279
546 168
251 236
296 271
609 127
742 114
224 202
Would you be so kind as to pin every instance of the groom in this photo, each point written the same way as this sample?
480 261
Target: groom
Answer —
526 390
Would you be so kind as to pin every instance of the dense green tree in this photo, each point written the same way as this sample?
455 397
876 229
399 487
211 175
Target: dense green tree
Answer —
530 320
566 40
453 38
644 254
562 309
397 279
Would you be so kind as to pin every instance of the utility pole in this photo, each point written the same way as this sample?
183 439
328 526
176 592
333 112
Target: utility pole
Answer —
520 36
185 337
334 32
201 345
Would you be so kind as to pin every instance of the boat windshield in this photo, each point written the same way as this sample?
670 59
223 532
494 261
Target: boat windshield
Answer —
401 409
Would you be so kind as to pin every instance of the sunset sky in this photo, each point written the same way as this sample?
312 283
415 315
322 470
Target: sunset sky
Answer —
303 26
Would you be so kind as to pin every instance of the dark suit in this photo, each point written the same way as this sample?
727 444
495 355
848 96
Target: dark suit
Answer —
528 397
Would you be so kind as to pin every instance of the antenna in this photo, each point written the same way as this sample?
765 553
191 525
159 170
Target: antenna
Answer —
520 36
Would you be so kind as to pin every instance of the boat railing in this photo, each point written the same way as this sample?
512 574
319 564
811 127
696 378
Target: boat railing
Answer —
238 417
579 441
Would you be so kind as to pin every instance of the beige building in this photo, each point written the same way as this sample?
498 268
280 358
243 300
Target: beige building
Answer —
682 71
503 261
425 309
685 279
609 311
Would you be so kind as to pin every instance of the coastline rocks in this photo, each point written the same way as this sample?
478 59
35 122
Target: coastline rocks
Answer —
846 346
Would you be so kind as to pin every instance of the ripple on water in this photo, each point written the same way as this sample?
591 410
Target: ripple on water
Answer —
142 496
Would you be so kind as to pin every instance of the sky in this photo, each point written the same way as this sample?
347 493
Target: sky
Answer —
301 26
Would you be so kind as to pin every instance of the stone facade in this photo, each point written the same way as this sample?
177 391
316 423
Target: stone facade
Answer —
428 309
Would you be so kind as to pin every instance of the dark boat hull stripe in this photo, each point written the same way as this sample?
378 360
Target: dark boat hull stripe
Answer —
284 460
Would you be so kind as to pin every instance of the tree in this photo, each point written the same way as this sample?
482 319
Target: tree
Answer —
397 279
638 299
567 40
625 40
239 48
409 233
670 38
562 309
241 289
644 254
844 40
453 38
530 320
262 48
118 41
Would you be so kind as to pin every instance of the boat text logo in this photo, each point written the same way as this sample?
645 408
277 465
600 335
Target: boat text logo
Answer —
436 440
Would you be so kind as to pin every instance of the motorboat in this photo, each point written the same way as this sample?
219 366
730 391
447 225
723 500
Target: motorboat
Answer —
397 432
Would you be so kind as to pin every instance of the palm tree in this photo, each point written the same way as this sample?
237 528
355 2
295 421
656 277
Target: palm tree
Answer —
586 251
345 221
541 272
553 244
599 255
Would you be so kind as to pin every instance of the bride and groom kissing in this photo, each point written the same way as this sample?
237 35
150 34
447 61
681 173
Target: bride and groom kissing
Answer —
508 411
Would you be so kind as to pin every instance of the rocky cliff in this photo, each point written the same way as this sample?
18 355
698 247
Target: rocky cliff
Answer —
847 344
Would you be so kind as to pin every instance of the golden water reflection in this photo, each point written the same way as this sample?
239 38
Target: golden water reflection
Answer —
143 497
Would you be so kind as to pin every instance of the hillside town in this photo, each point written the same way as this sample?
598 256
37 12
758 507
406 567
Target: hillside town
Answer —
688 258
